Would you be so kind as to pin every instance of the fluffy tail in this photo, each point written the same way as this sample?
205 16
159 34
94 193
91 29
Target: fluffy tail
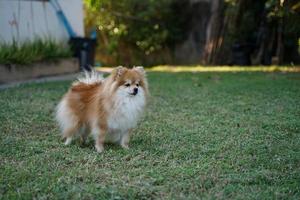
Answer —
90 78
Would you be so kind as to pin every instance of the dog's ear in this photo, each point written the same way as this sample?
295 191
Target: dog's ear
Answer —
140 69
118 71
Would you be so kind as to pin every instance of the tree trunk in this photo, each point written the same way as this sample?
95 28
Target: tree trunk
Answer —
279 50
214 32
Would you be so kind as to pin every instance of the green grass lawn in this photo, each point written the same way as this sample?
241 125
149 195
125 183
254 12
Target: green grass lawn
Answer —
204 135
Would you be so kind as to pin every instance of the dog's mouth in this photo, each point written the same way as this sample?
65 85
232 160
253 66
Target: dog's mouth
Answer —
132 94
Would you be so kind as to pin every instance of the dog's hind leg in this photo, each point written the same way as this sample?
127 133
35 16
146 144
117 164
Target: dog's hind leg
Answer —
84 134
99 135
69 133
69 123
68 141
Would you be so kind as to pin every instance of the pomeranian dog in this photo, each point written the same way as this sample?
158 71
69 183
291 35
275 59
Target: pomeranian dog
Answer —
107 108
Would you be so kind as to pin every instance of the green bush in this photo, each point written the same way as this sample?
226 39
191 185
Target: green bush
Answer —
32 51
131 31
149 31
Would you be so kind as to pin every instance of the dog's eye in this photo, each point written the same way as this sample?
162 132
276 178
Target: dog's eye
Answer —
137 85
127 85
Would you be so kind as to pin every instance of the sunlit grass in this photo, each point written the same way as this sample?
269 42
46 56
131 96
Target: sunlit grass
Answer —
201 68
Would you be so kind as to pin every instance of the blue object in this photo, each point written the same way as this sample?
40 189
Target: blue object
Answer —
60 14
83 48
93 34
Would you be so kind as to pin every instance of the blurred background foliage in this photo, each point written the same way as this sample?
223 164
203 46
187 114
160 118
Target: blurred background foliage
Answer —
33 51
149 32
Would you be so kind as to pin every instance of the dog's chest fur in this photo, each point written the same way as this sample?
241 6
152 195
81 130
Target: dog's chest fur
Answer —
124 114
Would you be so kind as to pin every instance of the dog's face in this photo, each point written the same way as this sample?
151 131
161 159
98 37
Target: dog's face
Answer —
130 82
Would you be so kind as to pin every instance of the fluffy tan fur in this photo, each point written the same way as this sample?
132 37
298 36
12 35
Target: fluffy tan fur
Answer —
91 107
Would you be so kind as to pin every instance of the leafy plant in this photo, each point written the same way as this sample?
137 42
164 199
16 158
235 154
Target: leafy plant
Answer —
137 28
29 52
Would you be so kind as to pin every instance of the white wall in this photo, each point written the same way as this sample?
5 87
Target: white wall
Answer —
25 20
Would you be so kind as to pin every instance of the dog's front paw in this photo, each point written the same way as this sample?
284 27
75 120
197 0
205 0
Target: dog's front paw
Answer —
125 146
99 148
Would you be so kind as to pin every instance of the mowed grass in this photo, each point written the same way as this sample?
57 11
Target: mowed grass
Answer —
204 136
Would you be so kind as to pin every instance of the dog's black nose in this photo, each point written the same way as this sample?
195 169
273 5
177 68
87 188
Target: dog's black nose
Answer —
135 91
